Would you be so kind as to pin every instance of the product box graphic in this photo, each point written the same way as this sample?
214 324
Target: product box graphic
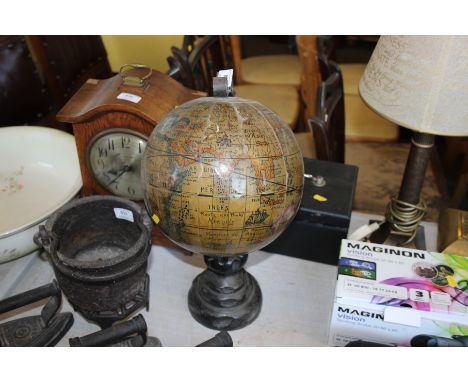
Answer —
390 294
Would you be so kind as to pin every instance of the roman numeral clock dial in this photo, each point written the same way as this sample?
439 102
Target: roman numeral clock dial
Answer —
114 160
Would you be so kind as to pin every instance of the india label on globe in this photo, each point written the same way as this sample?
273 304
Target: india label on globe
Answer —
222 176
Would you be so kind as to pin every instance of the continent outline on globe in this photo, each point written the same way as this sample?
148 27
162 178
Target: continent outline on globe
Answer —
224 175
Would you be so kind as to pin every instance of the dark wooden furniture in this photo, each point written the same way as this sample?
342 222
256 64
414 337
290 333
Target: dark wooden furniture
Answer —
68 61
326 47
24 97
454 160
38 74
328 126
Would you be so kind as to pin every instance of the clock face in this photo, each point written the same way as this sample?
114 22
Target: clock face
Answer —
114 160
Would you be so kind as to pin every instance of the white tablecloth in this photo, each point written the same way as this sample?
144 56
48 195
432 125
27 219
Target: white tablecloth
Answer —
297 296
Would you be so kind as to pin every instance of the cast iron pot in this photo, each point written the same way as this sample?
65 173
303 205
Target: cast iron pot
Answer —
99 246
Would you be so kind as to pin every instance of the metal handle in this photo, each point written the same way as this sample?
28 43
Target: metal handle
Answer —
29 297
45 239
22 299
134 80
222 339
112 334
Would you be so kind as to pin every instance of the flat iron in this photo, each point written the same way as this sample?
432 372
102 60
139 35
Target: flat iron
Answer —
133 333
47 329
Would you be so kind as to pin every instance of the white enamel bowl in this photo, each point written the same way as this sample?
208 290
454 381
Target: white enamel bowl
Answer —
39 173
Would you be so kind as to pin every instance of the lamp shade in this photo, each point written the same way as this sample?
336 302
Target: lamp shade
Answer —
420 82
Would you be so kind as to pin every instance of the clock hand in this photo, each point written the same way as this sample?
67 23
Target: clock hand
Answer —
123 171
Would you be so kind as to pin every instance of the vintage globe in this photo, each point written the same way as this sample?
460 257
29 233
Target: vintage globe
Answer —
222 176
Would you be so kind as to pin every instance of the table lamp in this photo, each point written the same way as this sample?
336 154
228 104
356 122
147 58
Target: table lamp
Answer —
421 83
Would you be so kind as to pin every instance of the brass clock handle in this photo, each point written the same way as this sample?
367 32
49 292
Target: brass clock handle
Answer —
134 80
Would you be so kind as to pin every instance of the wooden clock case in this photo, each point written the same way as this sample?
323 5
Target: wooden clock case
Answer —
95 107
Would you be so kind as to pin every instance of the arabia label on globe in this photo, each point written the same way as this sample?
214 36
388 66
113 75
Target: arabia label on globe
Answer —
222 176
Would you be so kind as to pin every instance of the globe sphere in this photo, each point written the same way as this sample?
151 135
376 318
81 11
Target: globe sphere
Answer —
222 176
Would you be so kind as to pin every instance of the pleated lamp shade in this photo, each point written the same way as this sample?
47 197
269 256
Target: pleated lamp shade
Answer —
420 82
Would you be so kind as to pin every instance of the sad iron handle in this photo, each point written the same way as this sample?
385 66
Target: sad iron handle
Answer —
222 339
29 297
112 334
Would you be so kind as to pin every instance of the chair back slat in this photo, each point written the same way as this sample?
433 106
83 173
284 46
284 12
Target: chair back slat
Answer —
328 125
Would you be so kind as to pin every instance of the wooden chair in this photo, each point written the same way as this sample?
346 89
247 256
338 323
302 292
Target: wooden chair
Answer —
273 80
198 61
362 124
196 65
311 75
278 69
328 125
282 99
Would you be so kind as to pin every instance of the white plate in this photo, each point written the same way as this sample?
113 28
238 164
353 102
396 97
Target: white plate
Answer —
39 173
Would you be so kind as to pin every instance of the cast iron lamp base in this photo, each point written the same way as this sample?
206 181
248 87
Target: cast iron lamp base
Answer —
225 296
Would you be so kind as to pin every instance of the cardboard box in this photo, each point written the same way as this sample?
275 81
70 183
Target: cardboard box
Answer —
389 294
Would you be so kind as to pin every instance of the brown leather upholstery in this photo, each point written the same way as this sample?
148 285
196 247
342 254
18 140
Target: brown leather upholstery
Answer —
31 92
68 61
23 97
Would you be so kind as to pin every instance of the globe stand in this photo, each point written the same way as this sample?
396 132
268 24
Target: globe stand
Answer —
225 296
230 186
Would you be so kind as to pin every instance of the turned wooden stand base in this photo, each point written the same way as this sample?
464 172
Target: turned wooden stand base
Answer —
225 296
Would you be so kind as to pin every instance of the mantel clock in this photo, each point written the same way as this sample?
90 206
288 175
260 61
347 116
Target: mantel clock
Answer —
112 120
